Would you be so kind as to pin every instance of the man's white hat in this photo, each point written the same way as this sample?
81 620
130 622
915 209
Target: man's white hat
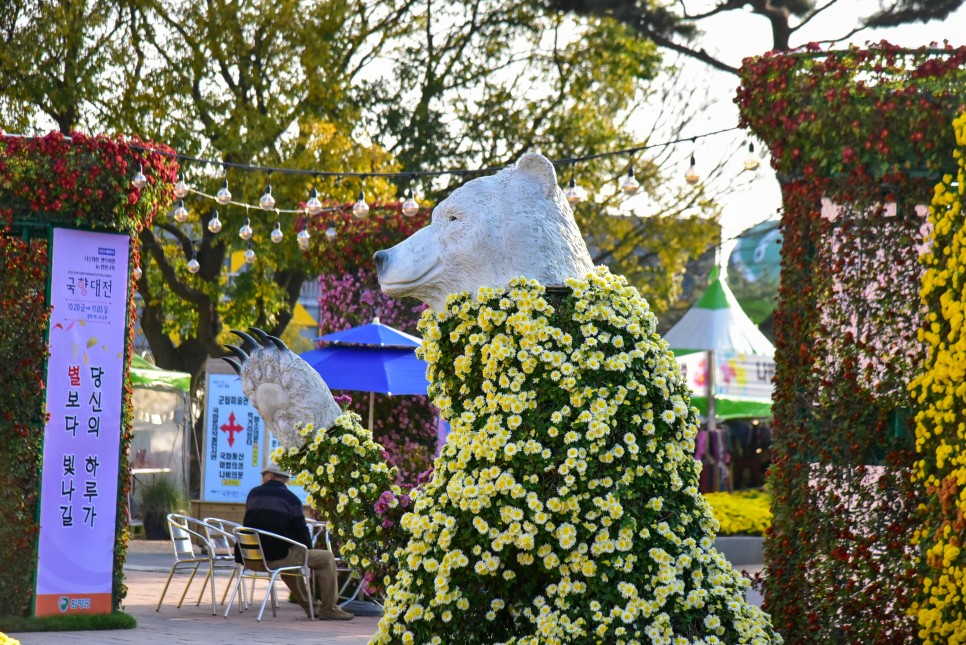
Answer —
275 470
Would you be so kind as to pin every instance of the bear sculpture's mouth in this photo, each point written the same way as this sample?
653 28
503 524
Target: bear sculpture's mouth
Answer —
402 287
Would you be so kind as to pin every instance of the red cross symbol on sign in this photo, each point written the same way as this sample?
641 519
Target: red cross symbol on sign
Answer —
231 428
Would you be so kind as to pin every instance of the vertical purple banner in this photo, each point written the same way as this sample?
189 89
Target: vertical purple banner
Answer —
79 486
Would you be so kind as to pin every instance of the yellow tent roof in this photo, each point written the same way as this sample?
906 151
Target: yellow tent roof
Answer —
302 317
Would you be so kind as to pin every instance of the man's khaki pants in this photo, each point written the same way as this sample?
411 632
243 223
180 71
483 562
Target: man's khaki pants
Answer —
322 564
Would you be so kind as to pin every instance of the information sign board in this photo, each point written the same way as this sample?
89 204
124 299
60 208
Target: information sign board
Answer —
234 442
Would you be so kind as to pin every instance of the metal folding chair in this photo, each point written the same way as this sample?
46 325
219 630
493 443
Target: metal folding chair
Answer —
255 567
221 548
185 533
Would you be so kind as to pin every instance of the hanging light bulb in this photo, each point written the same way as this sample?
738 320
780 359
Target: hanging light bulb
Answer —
214 224
330 233
245 232
180 187
691 174
410 207
630 184
751 161
573 192
179 213
193 265
224 195
313 206
277 234
137 272
266 201
303 239
139 179
249 254
360 210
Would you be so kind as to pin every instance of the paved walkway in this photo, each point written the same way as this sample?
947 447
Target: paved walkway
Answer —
145 573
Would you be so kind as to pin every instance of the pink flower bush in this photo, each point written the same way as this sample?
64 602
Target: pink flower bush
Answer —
404 425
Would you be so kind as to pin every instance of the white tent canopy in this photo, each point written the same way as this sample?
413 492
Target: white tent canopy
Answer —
717 323
717 326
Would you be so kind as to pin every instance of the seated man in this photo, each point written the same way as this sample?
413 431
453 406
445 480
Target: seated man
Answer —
273 507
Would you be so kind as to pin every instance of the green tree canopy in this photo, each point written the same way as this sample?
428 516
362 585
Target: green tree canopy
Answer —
332 85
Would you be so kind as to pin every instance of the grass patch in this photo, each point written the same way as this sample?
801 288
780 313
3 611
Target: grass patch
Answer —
116 620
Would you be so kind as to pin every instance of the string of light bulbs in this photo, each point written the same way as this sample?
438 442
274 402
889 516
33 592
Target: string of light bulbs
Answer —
629 185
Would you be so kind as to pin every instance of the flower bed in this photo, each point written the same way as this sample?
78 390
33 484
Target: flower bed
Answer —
741 512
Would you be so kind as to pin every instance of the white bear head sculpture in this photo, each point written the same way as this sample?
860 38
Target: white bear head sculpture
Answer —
488 231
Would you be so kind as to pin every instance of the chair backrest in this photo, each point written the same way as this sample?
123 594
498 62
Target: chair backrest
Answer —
225 525
250 548
184 532
316 529
220 540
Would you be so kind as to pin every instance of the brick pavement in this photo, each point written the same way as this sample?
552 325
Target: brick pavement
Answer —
145 574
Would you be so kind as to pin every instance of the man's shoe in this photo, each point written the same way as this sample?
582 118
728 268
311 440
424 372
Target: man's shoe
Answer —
317 607
335 613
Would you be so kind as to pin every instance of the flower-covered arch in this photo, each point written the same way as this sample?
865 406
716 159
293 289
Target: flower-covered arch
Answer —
75 182
859 138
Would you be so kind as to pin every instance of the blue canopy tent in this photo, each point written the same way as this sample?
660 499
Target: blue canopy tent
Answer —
370 358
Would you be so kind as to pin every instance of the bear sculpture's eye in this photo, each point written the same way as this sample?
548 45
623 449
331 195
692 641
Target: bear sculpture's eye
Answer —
453 218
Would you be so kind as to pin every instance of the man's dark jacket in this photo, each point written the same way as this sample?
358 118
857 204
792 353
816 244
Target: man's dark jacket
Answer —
273 507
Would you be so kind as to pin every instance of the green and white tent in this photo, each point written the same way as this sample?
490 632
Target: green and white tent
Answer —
148 375
727 361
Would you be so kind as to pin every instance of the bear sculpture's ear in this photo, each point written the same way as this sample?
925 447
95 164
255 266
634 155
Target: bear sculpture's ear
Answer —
540 170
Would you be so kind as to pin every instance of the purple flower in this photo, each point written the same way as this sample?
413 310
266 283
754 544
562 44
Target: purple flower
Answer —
343 400
387 523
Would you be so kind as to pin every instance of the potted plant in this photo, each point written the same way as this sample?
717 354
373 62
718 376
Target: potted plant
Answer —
159 497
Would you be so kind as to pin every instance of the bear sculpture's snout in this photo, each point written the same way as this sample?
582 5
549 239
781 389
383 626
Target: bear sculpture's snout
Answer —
381 258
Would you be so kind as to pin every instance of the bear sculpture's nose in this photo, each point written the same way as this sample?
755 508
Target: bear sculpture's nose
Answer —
381 258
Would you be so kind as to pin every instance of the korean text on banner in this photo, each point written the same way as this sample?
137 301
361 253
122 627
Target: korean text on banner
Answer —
739 376
233 443
85 371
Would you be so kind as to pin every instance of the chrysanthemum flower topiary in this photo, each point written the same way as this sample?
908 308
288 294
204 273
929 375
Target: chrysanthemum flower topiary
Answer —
564 507
352 487
941 420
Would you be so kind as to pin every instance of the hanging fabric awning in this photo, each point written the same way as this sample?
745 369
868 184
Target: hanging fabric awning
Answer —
146 374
